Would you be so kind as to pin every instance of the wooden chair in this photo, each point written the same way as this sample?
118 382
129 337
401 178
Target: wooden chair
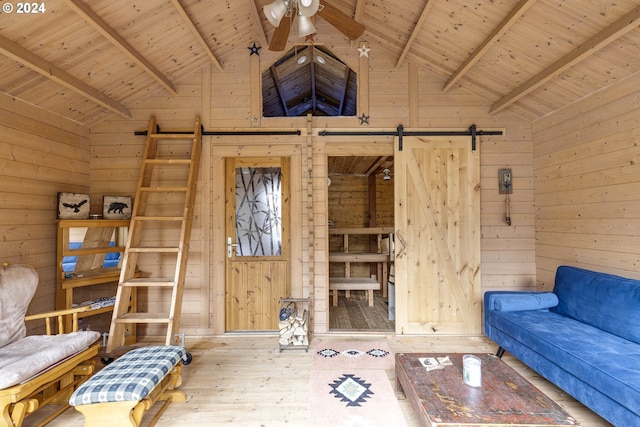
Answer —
37 370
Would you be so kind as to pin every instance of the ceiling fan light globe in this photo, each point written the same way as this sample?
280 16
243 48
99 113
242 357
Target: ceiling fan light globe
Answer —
308 8
275 12
305 26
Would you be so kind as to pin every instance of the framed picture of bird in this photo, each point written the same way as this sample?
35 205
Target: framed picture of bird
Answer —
73 206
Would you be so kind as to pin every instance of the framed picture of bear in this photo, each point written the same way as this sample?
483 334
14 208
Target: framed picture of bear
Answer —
116 207
73 206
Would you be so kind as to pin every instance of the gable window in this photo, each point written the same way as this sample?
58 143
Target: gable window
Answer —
309 80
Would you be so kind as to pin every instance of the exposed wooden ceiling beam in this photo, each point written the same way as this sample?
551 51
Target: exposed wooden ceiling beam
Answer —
504 26
187 20
415 32
56 74
622 26
276 80
117 40
376 165
358 16
344 91
262 36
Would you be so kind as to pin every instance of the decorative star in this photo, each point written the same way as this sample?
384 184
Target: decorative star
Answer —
254 49
364 50
364 119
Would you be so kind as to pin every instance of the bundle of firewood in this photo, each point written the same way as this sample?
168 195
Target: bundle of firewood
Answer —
294 329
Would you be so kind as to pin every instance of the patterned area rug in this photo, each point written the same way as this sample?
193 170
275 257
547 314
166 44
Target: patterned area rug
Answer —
353 398
352 355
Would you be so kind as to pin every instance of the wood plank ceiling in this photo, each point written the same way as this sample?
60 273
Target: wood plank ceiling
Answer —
86 60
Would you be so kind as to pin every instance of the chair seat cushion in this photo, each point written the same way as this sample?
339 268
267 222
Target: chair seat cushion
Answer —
23 359
131 377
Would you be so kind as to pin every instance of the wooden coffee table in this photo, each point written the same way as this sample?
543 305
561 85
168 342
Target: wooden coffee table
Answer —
440 397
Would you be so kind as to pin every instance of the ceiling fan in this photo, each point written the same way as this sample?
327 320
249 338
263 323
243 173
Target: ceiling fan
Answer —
303 11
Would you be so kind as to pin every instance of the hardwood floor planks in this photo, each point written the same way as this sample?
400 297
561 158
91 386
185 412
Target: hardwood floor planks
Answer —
354 313
245 381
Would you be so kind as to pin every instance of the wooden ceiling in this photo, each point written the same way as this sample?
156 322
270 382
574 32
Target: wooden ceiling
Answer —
86 60
309 79
360 165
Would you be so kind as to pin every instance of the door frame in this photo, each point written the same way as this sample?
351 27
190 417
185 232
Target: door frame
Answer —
217 233
336 147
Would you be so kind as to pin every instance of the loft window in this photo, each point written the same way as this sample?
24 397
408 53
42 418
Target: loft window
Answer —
309 80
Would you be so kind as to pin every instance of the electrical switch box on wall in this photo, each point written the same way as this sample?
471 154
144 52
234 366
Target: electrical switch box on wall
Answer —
505 178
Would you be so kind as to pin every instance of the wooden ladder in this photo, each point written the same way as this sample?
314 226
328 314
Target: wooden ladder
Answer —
159 232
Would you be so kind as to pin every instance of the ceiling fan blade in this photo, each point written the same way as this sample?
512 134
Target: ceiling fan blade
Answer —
343 22
281 35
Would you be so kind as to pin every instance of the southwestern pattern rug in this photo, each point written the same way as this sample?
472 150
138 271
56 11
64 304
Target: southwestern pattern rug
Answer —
353 398
352 355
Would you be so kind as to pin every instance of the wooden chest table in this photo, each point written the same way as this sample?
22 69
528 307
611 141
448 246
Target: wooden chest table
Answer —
440 397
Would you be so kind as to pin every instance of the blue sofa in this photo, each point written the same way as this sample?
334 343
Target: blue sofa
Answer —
111 259
584 337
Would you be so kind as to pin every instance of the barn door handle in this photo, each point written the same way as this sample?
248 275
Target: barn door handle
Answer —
404 244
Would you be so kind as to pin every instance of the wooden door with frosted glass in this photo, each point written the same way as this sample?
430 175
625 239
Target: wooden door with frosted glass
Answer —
258 242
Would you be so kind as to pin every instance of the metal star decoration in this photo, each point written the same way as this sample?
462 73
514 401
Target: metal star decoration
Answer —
254 49
364 50
364 119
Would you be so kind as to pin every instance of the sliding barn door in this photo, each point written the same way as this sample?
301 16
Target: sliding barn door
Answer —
437 215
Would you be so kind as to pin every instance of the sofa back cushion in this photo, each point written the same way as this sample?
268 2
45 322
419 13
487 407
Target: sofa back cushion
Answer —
605 301
18 284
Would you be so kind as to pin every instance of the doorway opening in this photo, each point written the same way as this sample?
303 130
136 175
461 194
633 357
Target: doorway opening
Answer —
361 224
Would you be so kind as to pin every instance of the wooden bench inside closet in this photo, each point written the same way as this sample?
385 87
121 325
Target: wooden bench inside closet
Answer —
381 258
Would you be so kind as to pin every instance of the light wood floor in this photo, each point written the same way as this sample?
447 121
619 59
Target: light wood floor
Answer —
354 313
246 381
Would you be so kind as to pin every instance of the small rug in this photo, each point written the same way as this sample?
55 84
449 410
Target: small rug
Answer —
353 398
352 355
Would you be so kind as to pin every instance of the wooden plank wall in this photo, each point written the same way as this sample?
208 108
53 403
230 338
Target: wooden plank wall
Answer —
223 98
587 169
508 260
349 207
41 154
116 154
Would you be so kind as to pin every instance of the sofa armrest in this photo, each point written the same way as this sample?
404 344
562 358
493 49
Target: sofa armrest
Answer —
59 316
519 301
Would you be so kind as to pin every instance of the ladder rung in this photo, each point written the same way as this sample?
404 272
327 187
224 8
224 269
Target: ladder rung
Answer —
143 318
157 218
178 162
148 282
172 249
172 135
163 189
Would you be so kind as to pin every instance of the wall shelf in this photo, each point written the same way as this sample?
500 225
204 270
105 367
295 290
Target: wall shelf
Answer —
89 254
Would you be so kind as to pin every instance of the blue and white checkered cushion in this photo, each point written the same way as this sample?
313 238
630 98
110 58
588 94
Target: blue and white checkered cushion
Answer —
129 378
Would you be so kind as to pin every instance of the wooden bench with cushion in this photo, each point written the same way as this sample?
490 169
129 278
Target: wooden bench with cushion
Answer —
122 392
37 370
368 284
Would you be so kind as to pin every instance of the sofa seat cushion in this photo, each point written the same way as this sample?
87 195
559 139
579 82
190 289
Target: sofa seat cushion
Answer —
31 355
130 378
608 363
